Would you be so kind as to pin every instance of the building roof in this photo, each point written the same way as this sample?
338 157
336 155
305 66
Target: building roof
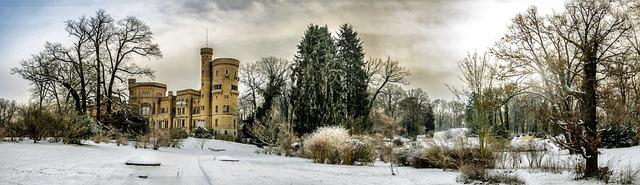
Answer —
231 61
188 91
149 84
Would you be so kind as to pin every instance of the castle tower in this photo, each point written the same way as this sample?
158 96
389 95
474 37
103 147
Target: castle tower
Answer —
224 97
206 55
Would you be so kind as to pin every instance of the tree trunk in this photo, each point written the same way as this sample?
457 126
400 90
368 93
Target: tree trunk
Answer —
74 95
506 117
98 87
589 117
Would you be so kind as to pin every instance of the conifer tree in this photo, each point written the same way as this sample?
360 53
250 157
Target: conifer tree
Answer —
313 83
350 57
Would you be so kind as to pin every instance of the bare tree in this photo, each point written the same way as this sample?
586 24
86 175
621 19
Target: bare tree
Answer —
129 38
564 50
201 142
100 25
267 129
387 71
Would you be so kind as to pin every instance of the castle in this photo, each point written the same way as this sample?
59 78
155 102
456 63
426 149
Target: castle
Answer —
214 107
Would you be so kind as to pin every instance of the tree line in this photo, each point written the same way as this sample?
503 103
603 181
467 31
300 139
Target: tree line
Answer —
330 82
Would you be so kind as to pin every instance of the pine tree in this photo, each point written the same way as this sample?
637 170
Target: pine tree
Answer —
350 58
314 82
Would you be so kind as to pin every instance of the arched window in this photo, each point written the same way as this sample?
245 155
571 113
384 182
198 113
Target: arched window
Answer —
146 109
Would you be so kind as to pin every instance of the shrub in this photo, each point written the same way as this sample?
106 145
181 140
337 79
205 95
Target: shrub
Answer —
287 140
34 120
200 143
627 176
224 137
201 133
323 145
3 134
535 154
142 140
159 138
272 150
552 165
358 150
617 136
77 127
129 122
504 178
101 138
176 135
122 140
454 158
472 173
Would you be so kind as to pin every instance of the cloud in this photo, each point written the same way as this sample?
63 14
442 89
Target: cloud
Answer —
427 37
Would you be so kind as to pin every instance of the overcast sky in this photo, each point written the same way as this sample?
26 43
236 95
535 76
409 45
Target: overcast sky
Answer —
427 37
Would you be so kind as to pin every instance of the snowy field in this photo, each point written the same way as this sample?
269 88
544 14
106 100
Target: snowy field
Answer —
47 163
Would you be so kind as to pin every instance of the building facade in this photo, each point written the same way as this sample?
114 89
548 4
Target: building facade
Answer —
214 106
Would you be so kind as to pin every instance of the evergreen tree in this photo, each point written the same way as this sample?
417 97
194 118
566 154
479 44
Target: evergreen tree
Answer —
314 81
351 62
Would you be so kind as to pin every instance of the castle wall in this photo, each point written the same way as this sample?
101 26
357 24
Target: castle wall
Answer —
214 106
225 96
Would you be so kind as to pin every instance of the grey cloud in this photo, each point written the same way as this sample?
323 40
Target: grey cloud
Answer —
425 36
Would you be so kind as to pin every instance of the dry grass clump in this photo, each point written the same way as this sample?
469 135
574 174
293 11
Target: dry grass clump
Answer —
101 138
454 158
359 150
122 140
324 144
476 174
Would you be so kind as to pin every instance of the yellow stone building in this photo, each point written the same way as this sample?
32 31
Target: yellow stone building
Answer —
214 106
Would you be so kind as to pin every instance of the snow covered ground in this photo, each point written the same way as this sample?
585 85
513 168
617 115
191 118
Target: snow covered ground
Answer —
47 163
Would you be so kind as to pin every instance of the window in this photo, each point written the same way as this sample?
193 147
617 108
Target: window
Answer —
225 132
226 72
146 109
219 86
216 122
234 87
234 123
216 108
226 108
216 72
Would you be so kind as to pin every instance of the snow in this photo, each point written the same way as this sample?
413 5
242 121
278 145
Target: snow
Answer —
143 161
48 163
53 163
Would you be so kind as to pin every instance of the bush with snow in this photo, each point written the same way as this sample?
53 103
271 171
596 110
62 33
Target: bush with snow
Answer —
159 138
618 135
324 144
358 150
